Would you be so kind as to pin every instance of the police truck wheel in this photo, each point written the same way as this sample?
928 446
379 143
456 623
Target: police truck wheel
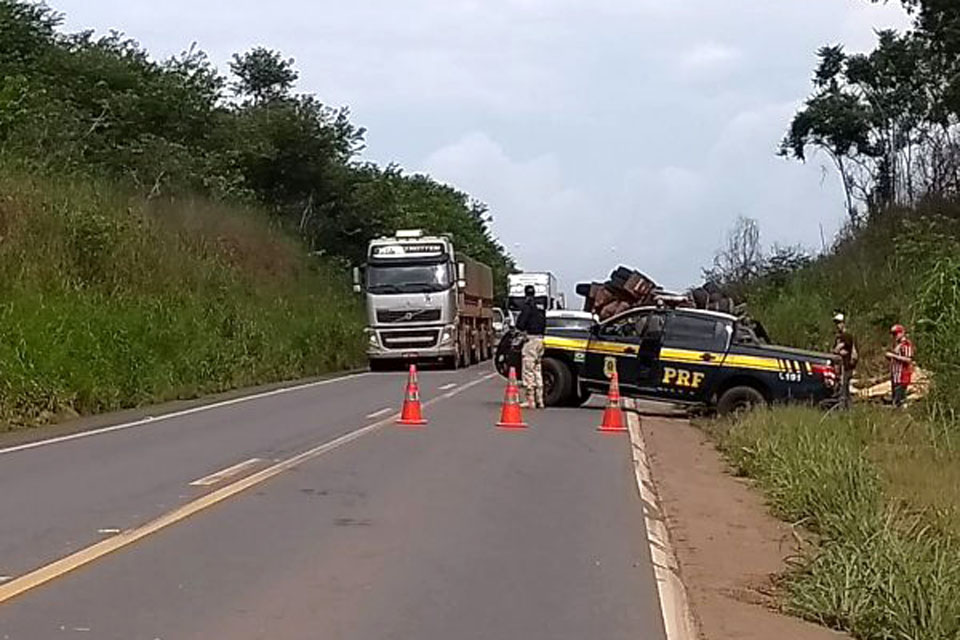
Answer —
739 400
557 383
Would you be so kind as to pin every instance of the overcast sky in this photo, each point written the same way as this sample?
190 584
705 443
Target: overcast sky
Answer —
598 131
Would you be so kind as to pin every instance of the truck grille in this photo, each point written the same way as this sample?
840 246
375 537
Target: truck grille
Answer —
423 315
425 339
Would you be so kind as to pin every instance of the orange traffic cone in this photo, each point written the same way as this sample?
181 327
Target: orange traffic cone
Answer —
510 415
613 421
412 413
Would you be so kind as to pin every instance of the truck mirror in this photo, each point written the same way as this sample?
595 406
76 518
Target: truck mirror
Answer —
356 280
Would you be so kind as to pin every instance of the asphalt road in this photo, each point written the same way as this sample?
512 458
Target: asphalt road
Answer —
455 531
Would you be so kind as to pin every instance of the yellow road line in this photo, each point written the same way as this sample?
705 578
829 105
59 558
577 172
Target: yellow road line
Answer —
94 552
224 474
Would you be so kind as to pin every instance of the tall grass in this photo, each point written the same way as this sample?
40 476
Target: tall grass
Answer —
904 268
883 563
110 301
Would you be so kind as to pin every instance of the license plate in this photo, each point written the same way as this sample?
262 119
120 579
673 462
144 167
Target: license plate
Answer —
411 355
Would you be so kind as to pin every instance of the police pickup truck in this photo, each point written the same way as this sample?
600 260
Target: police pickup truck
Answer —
683 356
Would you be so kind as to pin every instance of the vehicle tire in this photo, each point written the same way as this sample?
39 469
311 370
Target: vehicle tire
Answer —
739 400
379 365
507 355
557 383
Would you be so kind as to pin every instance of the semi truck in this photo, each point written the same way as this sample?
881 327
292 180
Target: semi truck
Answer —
425 302
548 294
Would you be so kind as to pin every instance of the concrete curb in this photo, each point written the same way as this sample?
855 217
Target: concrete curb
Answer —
678 620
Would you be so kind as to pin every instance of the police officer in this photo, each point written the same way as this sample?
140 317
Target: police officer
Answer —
532 322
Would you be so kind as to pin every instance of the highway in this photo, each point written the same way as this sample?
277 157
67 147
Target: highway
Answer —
308 514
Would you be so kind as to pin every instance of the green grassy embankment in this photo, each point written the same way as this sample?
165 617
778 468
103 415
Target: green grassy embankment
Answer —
877 497
109 301
875 492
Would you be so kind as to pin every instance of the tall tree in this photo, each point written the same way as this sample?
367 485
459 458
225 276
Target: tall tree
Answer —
263 75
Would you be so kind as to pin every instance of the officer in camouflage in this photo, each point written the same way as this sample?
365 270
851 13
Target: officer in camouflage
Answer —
532 322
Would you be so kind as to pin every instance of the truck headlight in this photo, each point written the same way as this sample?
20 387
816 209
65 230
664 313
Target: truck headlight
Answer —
372 338
448 334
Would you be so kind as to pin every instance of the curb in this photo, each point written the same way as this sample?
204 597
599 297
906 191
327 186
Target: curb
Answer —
678 620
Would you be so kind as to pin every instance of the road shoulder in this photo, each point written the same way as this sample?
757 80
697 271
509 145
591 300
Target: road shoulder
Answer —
729 547
82 424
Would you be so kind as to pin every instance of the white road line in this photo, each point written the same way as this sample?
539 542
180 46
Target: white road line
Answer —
449 386
678 620
177 414
83 557
108 532
5 578
229 472
377 414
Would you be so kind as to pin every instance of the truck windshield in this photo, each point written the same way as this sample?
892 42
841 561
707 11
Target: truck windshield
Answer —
427 278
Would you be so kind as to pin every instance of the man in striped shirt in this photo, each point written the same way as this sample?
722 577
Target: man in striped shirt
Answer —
901 364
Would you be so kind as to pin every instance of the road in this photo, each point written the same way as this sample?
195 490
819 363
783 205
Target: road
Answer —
330 522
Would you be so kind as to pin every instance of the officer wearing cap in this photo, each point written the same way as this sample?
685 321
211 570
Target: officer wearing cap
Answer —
845 347
532 322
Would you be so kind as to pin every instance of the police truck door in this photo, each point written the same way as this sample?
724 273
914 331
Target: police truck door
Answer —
694 346
620 343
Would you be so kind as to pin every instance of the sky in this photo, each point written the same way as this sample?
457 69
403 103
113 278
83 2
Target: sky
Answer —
599 132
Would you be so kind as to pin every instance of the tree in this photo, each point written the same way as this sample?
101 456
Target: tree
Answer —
82 104
27 32
740 260
885 121
833 121
263 75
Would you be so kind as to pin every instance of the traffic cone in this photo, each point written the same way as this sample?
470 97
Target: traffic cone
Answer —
613 421
510 415
412 413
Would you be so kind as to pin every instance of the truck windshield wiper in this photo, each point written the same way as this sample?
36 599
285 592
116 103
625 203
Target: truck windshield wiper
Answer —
385 288
418 287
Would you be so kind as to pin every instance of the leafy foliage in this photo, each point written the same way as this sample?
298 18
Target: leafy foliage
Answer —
108 301
79 104
889 119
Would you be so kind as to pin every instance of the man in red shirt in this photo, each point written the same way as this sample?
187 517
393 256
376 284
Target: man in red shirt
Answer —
901 364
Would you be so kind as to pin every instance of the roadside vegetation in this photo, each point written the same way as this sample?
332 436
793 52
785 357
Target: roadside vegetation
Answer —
168 230
876 496
874 493
109 301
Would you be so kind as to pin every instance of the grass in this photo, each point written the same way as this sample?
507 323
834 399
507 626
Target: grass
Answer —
879 490
108 301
